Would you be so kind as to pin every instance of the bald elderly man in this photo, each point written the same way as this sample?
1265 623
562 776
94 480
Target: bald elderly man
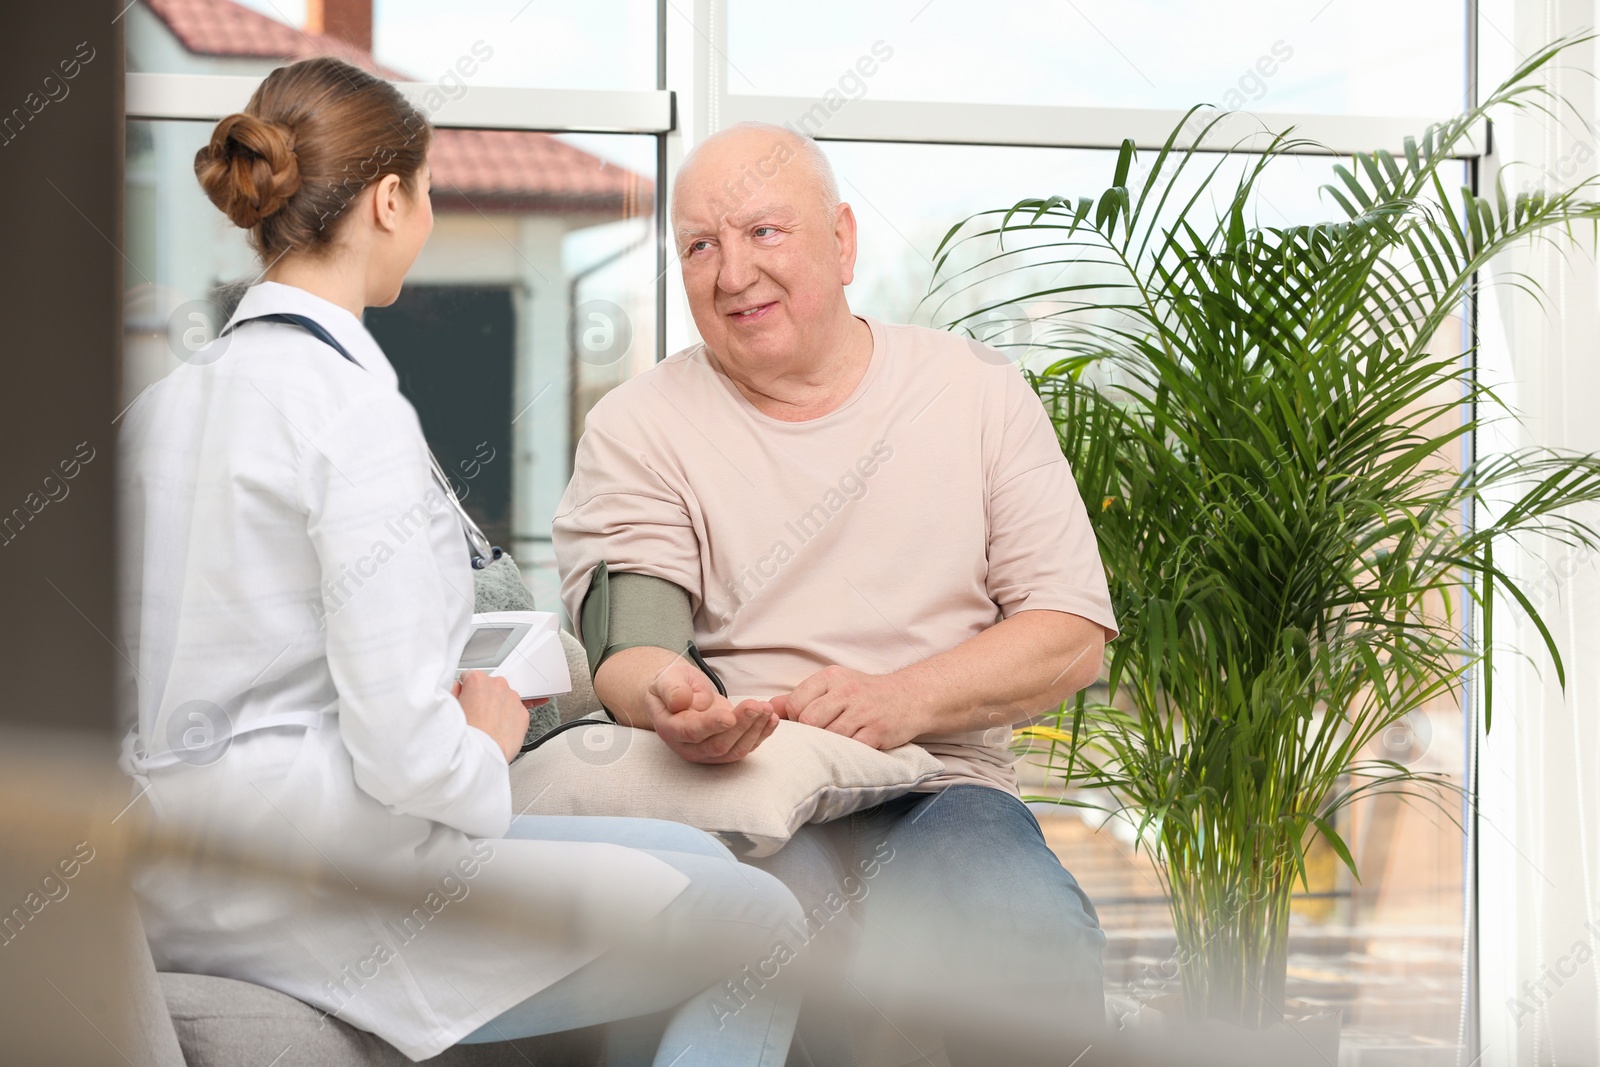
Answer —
865 527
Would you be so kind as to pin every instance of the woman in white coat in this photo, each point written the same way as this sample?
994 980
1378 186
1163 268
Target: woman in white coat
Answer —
297 594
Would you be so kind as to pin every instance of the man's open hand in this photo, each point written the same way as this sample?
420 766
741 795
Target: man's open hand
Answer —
875 709
699 723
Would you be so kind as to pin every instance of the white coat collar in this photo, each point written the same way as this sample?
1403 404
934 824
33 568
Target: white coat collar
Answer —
274 298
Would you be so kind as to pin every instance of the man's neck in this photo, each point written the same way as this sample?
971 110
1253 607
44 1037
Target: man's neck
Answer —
816 387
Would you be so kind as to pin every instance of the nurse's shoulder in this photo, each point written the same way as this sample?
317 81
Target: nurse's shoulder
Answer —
287 362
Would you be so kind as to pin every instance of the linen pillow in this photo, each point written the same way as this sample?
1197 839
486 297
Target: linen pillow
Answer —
800 774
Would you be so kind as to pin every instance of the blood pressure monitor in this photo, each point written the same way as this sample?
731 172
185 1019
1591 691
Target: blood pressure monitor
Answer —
523 647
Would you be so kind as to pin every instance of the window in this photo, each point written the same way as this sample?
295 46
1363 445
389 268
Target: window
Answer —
931 112
548 280
1309 57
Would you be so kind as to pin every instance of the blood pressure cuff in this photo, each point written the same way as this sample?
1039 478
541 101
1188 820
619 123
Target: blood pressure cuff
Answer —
627 610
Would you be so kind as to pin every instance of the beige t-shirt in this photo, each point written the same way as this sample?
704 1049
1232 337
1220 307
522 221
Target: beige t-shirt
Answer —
929 505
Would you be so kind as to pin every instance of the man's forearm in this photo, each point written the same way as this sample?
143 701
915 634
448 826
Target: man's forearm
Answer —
1017 669
623 681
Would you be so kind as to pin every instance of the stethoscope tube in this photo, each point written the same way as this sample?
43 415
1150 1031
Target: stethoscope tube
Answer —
483 553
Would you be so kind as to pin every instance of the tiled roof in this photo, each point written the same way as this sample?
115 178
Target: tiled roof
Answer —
512 170
223 28
473 170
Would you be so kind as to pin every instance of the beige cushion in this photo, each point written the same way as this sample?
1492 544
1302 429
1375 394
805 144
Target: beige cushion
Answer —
581 701
800 774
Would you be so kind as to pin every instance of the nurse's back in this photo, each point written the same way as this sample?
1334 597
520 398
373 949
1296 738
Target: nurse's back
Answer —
287 557
225 606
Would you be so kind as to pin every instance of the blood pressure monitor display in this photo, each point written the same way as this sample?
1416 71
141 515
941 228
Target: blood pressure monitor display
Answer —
488 646
523 647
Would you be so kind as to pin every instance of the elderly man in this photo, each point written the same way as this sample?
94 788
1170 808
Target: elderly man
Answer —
865 527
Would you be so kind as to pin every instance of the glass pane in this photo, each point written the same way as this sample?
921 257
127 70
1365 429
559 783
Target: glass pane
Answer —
599 44
906 196
535 295
1387 951
1349 57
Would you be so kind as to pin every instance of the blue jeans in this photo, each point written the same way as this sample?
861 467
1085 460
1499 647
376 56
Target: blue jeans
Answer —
935 903
726 920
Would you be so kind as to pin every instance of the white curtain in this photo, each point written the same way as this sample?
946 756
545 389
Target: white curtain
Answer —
1539 768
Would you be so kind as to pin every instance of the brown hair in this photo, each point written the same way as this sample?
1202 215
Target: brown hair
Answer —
314 135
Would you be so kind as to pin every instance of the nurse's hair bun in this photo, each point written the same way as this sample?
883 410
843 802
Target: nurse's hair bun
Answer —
314 135
249 170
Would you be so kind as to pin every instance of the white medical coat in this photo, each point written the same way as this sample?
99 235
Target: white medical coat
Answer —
296 595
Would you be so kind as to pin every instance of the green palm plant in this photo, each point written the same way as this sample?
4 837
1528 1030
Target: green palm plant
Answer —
1264 435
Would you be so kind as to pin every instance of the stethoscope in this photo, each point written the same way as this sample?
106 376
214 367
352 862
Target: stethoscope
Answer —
482 551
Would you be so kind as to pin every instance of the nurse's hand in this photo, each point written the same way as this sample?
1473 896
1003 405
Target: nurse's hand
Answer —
493 707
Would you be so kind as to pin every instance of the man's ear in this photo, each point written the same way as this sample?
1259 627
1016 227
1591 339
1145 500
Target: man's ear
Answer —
844 231
386 206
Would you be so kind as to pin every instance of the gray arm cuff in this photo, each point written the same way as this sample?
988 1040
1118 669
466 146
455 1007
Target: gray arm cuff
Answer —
624 610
